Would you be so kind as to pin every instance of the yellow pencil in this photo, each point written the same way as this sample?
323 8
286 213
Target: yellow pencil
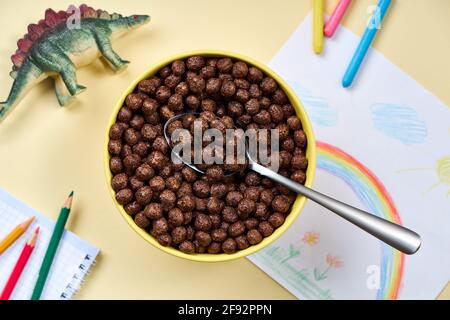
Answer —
15 234
317 26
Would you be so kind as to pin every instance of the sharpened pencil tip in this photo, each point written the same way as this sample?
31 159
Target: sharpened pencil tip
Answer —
68 203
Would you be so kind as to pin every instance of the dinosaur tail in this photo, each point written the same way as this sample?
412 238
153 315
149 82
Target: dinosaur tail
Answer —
27 76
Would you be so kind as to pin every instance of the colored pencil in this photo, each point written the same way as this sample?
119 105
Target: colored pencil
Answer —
52 247
15 234
20 265
336 17
317 26
366 41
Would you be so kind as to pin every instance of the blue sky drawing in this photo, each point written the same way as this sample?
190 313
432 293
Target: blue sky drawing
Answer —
399 122
318 109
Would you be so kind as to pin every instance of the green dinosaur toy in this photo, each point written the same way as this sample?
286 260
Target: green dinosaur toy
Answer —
59 44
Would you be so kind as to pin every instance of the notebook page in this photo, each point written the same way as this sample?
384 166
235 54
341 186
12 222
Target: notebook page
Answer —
72 261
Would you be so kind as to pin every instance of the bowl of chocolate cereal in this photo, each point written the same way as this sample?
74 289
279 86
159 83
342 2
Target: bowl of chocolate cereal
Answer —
211 211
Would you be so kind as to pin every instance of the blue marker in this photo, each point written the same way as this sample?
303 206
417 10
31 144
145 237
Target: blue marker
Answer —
365 43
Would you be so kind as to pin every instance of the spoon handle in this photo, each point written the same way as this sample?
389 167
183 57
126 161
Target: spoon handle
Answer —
395 235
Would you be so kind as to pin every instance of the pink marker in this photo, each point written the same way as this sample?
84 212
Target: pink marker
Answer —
336 17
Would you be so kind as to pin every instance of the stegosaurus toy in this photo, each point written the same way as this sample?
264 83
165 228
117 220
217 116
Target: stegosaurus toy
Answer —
59 44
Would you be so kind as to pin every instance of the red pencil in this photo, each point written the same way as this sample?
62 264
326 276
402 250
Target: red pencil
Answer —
20 265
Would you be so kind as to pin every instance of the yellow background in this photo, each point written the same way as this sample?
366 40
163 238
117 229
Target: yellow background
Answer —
46 151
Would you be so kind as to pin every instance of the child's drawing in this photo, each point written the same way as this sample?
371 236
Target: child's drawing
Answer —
399 122
311 238
333 262
319 111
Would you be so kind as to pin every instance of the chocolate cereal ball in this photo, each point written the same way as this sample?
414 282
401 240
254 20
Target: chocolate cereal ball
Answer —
132 208
251 223
215 173
167 199
213 86
229 215
229 246
157 184
116 165
203 238
215 205
144 172
201 188
219 235
228 88
276 219
187 247
242 242
239 70
135 183
196 84
218 190
175 217
254 237
160 226
214 248
265 228
246 207
202 222
179 234
280 204
268 85
224 65
195 63
163 94
116 131
255 75
236 229
164 240
186 203
153 211
300 138
141 220
124 196
233 198
178 67
143 195
119 181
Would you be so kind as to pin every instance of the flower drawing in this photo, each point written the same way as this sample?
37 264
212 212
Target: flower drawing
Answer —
311 238
333 262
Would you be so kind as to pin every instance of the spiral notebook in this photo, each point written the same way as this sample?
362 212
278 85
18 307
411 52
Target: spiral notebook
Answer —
73 261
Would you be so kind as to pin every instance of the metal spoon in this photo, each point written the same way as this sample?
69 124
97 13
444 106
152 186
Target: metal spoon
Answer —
393 234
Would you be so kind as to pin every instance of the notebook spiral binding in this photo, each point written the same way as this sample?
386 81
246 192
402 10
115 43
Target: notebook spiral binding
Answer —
74 285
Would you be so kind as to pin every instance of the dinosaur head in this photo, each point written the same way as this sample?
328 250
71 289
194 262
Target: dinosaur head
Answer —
122 25
136 21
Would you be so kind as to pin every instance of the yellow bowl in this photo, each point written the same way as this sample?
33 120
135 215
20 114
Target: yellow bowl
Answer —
310 154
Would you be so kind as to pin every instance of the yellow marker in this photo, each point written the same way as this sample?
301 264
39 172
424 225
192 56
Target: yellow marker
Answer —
317 26
15 234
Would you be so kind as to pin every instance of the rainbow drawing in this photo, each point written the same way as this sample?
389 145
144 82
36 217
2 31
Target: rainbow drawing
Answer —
375 197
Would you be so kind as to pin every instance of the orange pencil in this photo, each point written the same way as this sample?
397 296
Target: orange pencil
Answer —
15 234
20 265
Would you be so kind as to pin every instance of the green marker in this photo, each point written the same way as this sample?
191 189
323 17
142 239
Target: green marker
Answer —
52 247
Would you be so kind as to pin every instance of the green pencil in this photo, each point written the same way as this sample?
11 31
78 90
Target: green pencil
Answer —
51 249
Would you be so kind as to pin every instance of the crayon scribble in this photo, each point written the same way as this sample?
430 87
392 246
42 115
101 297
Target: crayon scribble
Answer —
399 122
318 109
